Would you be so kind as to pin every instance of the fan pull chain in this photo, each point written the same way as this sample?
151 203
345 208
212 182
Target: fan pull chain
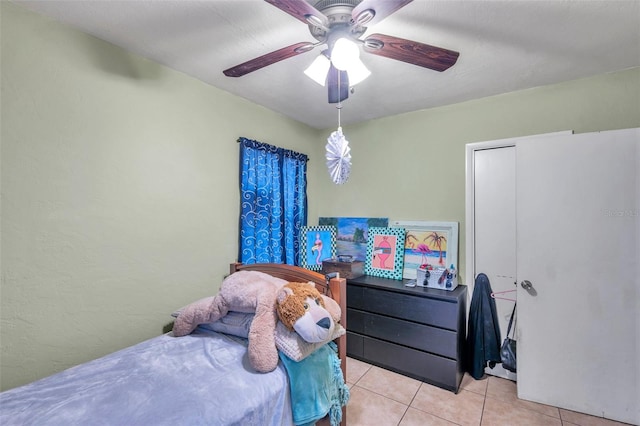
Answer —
339 105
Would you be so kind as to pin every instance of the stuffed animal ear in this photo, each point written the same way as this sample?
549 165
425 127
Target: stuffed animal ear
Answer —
284 293
332 307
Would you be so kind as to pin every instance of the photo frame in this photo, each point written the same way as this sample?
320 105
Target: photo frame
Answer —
385 252
317 243
435 243
353 233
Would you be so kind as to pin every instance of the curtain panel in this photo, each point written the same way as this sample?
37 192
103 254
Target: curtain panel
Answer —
273 203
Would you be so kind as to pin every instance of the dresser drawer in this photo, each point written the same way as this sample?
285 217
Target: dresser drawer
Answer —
423 366
354 345
355 320
419 309
418 336
354 296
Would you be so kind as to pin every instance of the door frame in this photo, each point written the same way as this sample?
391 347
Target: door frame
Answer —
470 243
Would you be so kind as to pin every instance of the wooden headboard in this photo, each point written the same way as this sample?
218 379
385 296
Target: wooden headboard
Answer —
336 288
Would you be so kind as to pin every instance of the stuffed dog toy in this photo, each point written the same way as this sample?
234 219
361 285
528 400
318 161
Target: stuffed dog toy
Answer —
302 308
299 306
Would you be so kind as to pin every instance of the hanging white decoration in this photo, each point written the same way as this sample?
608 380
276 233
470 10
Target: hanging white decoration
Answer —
338 157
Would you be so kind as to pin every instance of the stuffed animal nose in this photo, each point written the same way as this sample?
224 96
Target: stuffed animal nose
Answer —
324 323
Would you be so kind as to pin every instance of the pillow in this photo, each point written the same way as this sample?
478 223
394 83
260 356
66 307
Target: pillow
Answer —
234 323
294 347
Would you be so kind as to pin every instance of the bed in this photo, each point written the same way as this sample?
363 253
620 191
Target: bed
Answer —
202 378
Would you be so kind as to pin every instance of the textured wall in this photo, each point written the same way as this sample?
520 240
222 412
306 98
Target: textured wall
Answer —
412 166
119 193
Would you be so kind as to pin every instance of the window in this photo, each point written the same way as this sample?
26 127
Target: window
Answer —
273 203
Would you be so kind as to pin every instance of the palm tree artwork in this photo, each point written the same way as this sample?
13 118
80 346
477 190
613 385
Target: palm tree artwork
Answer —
410 241
436 240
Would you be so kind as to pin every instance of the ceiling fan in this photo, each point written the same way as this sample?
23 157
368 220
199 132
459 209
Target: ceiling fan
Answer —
331 20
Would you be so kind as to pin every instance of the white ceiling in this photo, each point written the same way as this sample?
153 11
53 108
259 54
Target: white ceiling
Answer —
504 46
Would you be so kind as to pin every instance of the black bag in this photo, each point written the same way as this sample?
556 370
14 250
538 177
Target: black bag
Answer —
508 349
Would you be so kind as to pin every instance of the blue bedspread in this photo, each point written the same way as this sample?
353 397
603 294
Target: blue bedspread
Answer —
200 379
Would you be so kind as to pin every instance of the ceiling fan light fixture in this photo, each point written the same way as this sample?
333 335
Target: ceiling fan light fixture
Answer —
318 69
357 72
344 53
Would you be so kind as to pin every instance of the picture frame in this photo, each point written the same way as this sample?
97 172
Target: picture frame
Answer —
353 233
385 252
317 243
435 243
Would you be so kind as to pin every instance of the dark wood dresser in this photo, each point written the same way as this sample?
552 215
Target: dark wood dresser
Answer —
418 332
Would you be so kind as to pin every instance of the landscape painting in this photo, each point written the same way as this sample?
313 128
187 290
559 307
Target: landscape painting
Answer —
353 233
432 243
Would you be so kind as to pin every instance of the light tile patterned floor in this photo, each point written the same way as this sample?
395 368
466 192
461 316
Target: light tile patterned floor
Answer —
383 398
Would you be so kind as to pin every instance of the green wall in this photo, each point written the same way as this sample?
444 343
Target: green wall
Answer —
119 188
412 166
119 193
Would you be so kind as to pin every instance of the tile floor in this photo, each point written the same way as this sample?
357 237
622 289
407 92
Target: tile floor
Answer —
383 398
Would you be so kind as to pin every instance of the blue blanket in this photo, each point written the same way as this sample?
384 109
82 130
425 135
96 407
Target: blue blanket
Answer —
317 386
200 379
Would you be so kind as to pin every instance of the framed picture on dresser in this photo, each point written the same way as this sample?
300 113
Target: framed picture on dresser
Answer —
317 243
385 252
353 233
433 243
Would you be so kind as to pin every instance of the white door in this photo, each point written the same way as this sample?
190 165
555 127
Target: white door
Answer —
578 230
491 223
495 230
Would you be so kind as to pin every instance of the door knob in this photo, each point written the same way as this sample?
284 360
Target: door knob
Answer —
526 285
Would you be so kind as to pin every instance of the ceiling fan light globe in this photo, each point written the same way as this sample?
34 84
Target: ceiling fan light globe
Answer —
357 72
318 69
344 53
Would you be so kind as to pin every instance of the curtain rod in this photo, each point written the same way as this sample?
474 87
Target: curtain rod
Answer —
240 140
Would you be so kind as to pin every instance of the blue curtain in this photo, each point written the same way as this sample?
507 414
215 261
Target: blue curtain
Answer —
273 203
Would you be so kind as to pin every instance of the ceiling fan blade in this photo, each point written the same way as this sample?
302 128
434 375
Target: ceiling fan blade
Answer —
370 12
268 59
300 9
412 52
337 85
